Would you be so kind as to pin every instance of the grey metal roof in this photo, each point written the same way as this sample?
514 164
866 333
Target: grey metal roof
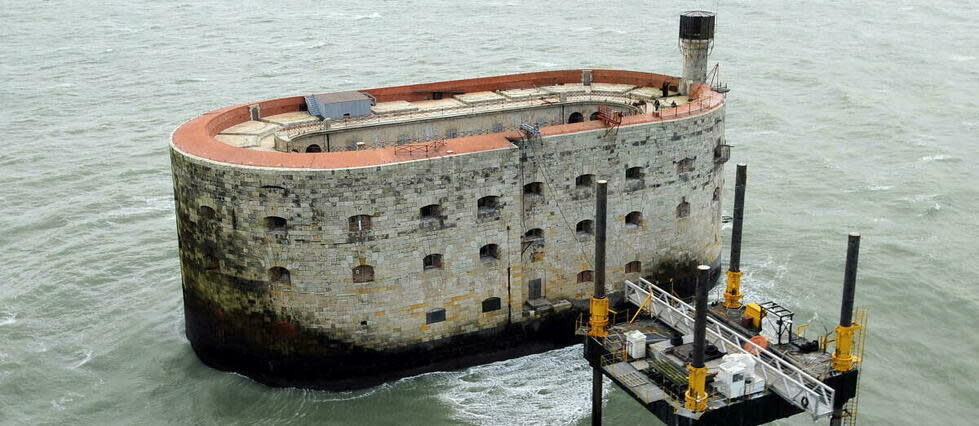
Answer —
329 98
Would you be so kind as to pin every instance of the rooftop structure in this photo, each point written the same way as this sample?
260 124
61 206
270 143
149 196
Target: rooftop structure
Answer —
271 131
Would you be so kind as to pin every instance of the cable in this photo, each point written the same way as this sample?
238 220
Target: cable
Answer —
557 200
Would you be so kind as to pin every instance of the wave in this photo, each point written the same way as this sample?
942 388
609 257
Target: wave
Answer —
318 396
374 15
85 359
552 388
938 157
11 319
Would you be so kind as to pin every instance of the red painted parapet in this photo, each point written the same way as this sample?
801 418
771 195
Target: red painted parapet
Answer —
196 137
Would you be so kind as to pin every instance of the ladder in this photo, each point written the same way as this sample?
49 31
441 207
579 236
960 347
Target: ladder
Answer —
850 408
788 381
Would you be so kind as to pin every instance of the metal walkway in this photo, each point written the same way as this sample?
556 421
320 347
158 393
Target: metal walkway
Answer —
786 380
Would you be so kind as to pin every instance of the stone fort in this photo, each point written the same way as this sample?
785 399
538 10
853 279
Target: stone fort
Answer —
341 239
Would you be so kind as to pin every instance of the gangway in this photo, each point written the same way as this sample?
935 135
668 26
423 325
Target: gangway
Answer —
788 381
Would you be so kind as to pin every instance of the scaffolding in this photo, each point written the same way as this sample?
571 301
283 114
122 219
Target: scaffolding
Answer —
783 322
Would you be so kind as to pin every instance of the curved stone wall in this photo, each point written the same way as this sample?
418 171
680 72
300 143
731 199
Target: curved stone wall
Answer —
317 277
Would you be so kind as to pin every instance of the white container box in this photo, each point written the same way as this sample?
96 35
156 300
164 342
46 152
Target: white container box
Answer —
636 343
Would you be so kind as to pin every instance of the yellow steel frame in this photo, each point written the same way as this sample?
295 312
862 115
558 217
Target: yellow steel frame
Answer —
599 317
843 357
641 307
696 395
732 294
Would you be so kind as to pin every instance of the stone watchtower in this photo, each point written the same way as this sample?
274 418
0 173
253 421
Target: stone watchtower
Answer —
696 42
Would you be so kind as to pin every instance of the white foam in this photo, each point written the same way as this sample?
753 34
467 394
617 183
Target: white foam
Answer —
318 396
757 285
547 389
374 15
11 319
86 357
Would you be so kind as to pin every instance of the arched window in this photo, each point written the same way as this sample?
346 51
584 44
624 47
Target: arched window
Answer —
533 188
279 275
363 274
432 261
594 116
487 205
584 181
491 304
434 316
634 266
576 117
683 209
275 224
534 234
361 222
314 148
585 227
489 252
206 212
431 211
717 194
586 276
211 262
633 219
633 173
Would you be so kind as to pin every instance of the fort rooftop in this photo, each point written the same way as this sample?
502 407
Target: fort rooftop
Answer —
271 133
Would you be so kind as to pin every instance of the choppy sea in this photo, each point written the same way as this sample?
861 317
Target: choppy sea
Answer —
853 116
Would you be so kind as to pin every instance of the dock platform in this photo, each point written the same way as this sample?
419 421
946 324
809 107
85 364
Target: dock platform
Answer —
648 359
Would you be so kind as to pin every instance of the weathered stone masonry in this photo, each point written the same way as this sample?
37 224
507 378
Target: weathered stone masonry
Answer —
288 266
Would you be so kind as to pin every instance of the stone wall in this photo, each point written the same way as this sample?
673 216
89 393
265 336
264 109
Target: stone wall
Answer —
230 251
437 128
675 161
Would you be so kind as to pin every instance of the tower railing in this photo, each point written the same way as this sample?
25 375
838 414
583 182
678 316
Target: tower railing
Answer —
788 381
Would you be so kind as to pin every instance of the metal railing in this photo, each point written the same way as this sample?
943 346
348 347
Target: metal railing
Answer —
424 148
461 110
293 130
697 106
788 381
